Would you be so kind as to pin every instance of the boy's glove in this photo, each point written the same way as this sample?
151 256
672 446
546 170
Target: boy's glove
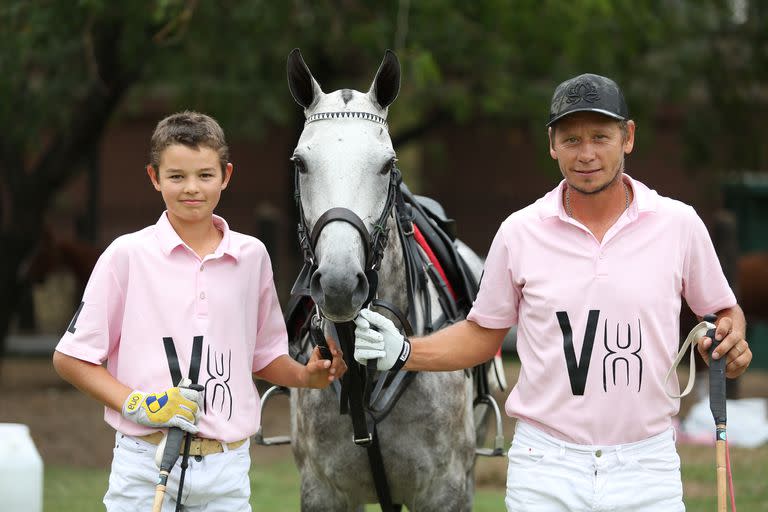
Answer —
376 337
177 407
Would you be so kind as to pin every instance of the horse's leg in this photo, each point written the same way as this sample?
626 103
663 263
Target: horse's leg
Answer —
452 493
317 497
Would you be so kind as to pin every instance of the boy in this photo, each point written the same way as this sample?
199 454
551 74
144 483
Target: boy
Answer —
184 299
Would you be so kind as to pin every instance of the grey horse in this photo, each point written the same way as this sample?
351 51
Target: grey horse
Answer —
344 158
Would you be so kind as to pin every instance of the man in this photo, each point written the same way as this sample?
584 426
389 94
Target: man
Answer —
592 274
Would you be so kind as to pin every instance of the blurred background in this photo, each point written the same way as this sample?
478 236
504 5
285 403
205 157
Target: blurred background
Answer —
83 84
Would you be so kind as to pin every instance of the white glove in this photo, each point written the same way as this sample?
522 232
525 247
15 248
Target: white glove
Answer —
376 337
177 407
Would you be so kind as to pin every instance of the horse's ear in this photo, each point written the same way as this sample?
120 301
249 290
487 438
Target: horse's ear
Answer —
386 83
304 88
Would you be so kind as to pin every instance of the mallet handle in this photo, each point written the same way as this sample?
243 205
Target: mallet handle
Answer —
722 492
160 491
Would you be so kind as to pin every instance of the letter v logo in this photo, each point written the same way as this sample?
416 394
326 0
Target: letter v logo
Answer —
577 371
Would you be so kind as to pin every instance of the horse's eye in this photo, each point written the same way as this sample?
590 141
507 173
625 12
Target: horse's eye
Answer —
387 168
298 163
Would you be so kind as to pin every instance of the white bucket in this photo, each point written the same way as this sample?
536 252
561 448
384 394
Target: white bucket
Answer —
21 470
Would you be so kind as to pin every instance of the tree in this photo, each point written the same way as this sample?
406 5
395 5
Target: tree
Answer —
70 69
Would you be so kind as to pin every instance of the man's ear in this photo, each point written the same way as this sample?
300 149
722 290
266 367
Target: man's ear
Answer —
629 143
552 151
227 175
153 177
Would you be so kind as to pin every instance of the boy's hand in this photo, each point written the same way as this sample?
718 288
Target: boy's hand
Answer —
321 372
177 407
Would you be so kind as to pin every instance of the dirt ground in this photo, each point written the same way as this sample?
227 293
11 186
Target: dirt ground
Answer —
68 428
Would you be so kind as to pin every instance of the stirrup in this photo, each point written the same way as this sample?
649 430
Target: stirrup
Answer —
258 437
498 444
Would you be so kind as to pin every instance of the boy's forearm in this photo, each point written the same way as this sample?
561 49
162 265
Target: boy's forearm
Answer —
284 371
93 380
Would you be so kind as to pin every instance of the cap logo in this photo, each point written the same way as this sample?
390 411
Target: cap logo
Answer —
582 91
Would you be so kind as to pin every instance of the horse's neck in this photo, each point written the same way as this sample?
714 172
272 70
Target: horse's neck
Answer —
392 280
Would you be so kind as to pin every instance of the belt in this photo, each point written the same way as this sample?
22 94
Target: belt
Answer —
198 445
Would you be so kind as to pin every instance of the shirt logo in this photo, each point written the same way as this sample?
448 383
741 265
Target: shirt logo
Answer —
622 364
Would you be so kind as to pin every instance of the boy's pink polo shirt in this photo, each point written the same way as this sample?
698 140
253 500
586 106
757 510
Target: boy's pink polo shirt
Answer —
149 285
598 323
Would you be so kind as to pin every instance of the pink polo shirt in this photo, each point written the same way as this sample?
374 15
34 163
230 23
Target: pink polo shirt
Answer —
598 323
149 286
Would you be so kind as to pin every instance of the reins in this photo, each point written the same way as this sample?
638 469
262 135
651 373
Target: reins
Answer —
357 383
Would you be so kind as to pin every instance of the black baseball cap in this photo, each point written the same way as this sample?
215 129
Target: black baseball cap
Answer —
590 93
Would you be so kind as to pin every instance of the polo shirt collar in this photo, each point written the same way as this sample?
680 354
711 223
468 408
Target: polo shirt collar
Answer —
170 240
644 200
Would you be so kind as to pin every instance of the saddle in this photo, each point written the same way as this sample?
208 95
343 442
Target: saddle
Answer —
440 234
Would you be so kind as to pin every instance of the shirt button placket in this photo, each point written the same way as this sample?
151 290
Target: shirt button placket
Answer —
201 299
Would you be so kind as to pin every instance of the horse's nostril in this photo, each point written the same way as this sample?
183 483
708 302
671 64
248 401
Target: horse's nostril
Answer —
316 288
361 290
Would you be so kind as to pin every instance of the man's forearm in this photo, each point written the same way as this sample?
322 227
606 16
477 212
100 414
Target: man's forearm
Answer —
462 345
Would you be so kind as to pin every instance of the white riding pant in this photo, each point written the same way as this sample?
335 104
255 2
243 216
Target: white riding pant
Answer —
218 482
546 474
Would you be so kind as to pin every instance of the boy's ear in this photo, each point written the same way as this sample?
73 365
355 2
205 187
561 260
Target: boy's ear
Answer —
227 175
152 173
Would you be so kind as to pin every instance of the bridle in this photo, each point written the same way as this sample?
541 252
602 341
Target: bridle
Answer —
356 383
374 243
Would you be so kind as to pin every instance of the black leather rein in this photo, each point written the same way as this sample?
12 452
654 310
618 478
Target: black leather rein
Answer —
356 384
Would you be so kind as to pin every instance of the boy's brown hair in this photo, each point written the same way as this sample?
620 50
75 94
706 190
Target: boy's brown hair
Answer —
191 129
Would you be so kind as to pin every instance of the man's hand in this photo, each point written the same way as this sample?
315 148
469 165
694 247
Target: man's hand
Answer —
177 407
733 346
321 372
376 337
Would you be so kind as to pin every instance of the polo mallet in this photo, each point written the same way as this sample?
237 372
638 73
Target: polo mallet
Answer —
717 405
185 457
170 455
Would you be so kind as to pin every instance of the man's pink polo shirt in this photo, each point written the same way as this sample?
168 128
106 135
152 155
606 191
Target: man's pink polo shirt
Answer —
598 323
149 286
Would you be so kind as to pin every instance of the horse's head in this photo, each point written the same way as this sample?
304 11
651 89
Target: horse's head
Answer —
344 160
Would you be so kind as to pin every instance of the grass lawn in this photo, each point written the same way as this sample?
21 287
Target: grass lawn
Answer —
276 488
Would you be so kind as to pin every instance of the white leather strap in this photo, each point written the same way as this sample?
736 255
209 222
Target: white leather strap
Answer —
692 340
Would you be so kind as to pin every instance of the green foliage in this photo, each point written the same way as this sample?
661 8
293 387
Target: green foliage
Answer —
69 68
498 58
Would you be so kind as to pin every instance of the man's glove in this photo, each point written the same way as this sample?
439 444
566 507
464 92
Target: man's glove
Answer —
376 337
177 407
